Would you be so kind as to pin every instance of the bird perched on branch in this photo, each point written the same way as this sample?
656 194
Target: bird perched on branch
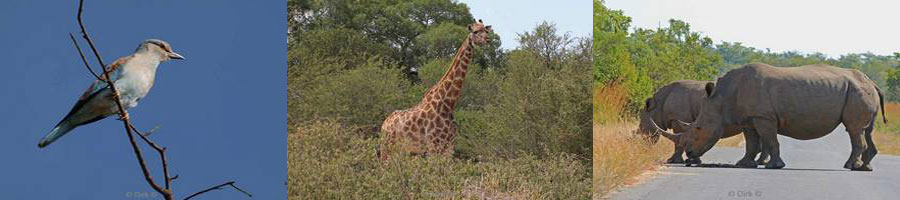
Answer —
133 76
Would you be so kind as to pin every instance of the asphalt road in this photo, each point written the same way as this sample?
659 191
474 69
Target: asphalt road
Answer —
814 171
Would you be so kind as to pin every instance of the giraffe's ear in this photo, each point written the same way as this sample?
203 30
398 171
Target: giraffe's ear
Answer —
488 28
469 27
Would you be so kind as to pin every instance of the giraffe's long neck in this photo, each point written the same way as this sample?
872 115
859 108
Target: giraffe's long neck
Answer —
443 95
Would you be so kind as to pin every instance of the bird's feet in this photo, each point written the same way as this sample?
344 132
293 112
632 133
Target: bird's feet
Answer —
124 117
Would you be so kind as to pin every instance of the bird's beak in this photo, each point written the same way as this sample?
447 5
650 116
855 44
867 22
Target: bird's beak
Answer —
174 55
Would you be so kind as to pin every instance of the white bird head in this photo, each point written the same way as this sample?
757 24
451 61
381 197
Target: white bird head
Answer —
160 48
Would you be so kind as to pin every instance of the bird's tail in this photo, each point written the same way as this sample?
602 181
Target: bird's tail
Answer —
54 134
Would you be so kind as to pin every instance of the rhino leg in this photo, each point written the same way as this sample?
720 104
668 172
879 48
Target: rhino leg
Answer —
859 142
768 135
870 152
763 157
857 146
751 144
676 157
692 161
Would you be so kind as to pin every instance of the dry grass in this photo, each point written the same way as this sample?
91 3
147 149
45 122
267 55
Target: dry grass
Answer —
609 102
328 160
733 141
620 156
887 137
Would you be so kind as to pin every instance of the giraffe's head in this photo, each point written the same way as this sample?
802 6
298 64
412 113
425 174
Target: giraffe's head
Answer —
480 34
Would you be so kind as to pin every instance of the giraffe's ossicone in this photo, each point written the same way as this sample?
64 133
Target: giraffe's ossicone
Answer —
428 128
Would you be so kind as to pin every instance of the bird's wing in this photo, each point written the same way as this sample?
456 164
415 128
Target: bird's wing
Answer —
98 85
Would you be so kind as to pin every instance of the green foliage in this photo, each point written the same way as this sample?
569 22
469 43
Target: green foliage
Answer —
441 41
538 110
523 125
612 62
548 45
395 24
647 59
353 96
893 84
345 47
330 161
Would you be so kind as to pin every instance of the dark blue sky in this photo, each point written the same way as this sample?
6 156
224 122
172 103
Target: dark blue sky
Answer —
221 112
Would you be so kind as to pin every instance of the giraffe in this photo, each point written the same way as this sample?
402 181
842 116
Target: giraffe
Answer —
428 128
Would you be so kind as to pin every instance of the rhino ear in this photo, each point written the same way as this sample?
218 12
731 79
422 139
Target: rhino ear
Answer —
709 88
649 104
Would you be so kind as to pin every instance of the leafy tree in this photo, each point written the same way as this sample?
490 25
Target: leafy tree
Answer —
550 46
893 84
612 62
441 41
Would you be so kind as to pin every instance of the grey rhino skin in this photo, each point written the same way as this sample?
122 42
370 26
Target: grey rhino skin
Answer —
803 103
678 102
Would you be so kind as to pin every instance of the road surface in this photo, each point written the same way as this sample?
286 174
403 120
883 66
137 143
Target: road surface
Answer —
814 171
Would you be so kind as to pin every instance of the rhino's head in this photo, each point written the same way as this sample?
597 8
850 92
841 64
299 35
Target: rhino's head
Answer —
702 134
645 129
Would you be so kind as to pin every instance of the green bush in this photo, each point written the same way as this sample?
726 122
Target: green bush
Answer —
537 110
361 96
330 161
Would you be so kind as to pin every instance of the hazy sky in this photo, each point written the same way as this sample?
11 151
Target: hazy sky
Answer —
827 26
221 111
510 17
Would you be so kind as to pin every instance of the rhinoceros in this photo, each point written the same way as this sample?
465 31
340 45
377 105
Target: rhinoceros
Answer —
673 104
803 103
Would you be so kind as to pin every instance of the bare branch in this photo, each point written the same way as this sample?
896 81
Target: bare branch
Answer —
219 187
160 150
166 192
84 59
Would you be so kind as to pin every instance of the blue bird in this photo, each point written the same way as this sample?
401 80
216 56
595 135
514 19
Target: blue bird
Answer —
133 75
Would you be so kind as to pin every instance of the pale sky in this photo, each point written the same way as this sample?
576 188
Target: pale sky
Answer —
827 26
509 17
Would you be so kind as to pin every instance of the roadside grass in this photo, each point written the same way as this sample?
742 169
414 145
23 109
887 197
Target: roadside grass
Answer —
733 141
619 156
328 160
887 137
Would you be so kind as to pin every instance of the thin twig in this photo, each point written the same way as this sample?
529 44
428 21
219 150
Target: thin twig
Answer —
218 187
80 53
166 192
147 133
160 150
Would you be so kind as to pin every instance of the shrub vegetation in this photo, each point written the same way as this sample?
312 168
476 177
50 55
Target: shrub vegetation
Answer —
523 117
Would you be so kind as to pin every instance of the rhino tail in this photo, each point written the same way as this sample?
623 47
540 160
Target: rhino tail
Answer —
881 99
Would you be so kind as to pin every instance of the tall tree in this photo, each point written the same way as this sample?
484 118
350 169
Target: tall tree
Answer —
546 43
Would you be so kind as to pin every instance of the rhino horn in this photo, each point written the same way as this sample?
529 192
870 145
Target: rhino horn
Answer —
672 136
